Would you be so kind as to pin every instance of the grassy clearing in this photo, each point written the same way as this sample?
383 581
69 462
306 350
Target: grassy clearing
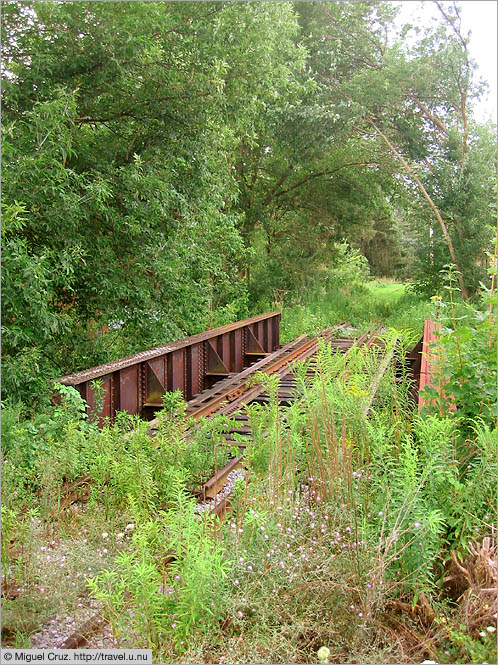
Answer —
343 533
386 290
361 305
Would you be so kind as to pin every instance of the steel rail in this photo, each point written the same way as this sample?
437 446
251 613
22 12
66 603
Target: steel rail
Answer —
367 339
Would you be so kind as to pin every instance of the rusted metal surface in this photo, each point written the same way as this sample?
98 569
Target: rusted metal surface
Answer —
286 395
136 384
428 359
217 482
431 358
80 637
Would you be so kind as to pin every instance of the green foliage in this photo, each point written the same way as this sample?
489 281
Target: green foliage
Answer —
119 149
350 267
174 166
359 304
466 358
149 598
43 452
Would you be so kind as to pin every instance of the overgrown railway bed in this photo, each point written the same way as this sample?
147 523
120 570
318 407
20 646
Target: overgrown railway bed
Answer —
230 395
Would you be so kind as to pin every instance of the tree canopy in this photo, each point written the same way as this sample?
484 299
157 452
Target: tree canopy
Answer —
169 165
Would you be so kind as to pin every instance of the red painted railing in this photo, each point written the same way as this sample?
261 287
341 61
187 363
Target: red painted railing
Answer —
432 357
136 384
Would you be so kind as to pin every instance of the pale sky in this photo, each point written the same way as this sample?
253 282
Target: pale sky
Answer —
479 16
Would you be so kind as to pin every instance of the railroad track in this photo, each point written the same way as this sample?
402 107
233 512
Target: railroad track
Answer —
232 395
286 395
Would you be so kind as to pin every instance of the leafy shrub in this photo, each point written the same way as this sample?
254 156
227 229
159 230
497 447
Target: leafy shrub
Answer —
350 267
466 352
171 583
47 450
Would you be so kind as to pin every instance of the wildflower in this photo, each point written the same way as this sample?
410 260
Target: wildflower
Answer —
491 629
380 513
128 527
416 525
244 600
348 529
104 551
105 535
119 536
173 625
240 614
323 654
249 567
236 582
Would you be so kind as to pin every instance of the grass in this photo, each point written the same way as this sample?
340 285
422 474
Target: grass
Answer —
362 305
386 291
339 528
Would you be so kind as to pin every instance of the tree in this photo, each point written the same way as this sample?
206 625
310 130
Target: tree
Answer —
119 122
415 101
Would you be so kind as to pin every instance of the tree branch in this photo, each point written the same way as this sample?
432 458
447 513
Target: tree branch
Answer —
428 113
324 173
433 206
